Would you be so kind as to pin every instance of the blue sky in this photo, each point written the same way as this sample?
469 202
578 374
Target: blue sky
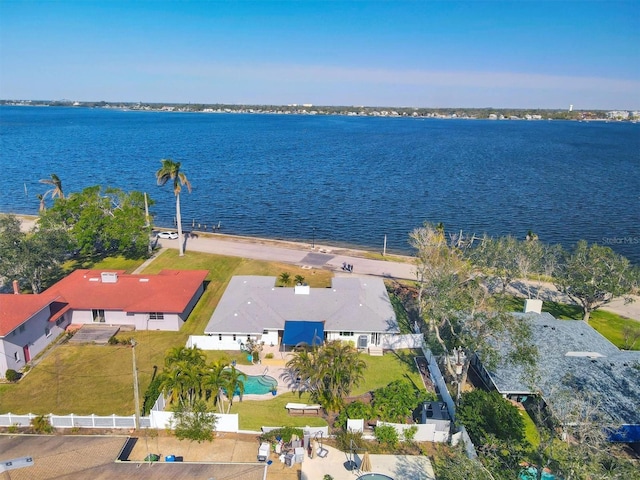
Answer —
520 54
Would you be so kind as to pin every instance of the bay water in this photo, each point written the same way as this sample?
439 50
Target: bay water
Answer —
340 180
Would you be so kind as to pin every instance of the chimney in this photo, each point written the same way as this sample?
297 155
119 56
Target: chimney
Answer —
16 288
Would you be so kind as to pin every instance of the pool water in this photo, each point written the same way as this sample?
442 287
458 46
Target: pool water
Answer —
374 476
258 385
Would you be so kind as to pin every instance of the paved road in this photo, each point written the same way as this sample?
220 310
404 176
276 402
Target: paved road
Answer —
331 258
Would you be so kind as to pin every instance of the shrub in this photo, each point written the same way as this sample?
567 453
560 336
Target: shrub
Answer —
396 402
387 435
355 409
12 375
41 424
285 433
346 440
409 434
13 428
269 355
151 395
327 477
489 417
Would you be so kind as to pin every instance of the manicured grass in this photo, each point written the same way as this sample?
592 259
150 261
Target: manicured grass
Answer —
530 430
254 414
622 332
391 366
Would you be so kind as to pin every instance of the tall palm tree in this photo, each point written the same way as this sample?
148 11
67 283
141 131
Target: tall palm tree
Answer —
170 170
56 183
214 381
234 381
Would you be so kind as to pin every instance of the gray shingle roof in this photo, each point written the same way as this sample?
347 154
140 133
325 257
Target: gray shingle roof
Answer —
572 355
251 304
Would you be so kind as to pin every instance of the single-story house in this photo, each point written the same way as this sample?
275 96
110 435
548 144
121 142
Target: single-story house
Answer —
356 309
573 358
28 323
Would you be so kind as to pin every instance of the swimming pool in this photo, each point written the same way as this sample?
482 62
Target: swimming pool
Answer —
258 385
374 476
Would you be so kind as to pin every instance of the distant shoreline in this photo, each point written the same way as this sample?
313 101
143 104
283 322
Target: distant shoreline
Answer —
461 113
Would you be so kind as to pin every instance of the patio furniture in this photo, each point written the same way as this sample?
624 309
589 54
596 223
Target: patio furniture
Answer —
302 408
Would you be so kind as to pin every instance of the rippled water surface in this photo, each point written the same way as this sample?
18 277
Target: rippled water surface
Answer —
341 180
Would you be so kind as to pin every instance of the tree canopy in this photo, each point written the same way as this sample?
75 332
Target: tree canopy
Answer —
461 315
328 372
593 275
32 258
101 222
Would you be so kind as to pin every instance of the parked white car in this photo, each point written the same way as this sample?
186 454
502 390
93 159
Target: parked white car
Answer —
169 235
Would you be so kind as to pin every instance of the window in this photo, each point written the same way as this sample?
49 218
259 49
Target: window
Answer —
234 337
21 328
156 316
47 332
16 356
346 334
98 315
220 337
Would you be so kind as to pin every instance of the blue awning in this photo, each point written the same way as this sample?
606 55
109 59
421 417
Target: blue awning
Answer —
296 331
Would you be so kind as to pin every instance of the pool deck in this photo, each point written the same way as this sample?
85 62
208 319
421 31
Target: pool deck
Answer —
273 367
398 467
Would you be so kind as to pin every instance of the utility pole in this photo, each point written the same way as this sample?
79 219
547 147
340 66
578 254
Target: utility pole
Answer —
136 393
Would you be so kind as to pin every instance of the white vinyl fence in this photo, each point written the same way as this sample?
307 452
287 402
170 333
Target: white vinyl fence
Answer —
76 421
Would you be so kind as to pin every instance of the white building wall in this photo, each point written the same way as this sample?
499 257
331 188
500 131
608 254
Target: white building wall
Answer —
34 335
224 422
432 431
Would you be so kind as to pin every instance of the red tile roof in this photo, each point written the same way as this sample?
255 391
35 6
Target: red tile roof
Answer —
169 291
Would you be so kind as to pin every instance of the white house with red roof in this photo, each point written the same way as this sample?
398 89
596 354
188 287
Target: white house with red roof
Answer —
28 323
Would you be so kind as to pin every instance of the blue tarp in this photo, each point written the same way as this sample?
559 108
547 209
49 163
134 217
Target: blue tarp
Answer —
296 331
625 434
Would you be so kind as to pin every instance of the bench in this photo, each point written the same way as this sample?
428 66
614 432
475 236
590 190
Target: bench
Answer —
302 408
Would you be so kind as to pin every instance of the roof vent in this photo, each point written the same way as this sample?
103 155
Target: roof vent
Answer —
144 280
109 277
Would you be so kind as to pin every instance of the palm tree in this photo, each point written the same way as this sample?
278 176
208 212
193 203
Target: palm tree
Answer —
56 183
285 278
299 279
170 170
234 380
214 382
328 373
